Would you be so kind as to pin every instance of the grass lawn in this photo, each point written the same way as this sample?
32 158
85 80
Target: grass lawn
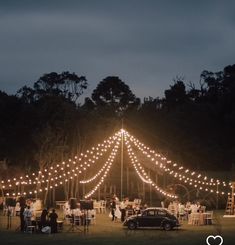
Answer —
106 232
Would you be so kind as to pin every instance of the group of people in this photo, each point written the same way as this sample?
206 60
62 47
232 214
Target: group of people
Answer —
77 215
46 219
179 209
120 210
123 209
12 206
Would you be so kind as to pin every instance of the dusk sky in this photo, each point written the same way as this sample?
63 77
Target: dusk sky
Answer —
146 43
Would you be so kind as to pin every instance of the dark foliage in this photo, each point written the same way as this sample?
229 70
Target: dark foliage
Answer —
193 125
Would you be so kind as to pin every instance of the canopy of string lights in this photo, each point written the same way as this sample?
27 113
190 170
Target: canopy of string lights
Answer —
61 173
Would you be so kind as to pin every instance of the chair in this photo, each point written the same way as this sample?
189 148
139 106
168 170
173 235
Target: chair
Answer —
68 219
77 220
60 225
28 224
97 206
103 206
17 209
209 217
30 229
195 218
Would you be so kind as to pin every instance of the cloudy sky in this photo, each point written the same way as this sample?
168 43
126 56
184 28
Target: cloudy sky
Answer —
146 43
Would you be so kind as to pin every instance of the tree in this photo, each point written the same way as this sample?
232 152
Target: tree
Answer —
27 94
114 93
213 86
228 89
88 104
56 116
176 95
66 84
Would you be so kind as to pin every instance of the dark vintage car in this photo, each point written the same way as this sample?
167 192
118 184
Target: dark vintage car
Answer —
152 217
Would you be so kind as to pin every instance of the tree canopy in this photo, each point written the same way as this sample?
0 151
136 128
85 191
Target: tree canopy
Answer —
192 123
113 92
66 84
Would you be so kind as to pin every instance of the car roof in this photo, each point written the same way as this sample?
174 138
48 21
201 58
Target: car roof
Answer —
159 208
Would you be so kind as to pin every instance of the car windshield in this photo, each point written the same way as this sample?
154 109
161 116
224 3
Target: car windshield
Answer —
161 212
153 212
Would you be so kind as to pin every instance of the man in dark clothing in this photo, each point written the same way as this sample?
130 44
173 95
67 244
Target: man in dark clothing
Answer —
22 222
43 219
123 210
113 208
53 221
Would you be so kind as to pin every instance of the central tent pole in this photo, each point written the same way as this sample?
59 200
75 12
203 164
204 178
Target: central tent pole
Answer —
122 165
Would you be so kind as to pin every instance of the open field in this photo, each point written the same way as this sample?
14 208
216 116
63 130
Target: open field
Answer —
108 232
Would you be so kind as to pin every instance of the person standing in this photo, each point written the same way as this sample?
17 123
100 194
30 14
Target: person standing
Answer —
43 219
113 208
22 221
53 221
123 211
27 217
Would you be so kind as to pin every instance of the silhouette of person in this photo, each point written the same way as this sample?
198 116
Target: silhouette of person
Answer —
43 218
53 221
22 221
113 208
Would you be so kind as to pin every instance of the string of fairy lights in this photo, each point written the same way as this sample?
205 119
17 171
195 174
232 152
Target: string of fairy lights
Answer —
70 170
45 176
52 182
110 162
95 153
108 166
61 173
61 167
141 172
163 160
163 164
105 166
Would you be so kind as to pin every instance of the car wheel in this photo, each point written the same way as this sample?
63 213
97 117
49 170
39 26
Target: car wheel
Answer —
131 225
167 227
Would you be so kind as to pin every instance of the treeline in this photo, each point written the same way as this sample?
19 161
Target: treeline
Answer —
191 124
